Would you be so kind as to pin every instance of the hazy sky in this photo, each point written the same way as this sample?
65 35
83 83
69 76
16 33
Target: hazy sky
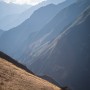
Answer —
32 2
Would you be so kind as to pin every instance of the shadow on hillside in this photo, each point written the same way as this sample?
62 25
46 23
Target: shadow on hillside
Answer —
8 58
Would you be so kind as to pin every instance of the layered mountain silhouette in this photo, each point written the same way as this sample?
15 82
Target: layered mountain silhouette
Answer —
27 14
9 13
18 14
54 42
31 48
19 35
10 9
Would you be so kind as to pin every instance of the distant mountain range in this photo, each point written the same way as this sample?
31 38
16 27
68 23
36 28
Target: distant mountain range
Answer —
18 14
10 9
9 12
32 25
54 42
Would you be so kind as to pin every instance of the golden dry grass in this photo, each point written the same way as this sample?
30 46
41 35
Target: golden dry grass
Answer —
14 78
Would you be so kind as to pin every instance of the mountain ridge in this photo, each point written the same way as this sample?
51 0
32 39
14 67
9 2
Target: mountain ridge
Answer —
59 50
68 66
51 31
22 31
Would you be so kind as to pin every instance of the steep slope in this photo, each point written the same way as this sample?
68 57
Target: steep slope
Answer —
36 44
59 50
67 57
13 39
14 78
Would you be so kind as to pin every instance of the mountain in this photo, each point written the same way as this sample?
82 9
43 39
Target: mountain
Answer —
12 40
18 13
24 30
66 58
1 32
14 78
10 21
27 14
6 22
55 1
18 19
25 42
11 8
36 43
58 49
10 12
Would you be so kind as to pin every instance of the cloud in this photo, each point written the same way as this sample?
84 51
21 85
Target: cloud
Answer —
32 2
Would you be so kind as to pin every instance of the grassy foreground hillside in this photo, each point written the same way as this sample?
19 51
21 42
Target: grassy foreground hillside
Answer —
14 78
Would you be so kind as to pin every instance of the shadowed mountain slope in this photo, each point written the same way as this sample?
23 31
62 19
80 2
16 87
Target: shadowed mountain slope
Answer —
68 59
37 43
